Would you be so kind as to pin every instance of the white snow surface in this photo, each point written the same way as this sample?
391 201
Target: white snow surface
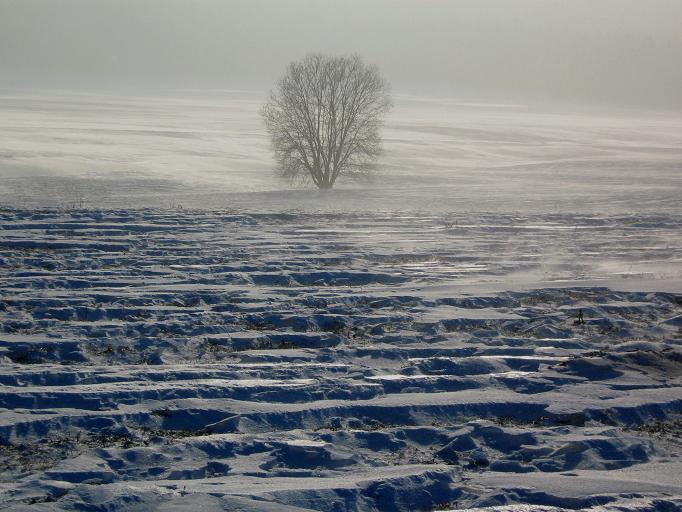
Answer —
209 149
167 359
406 344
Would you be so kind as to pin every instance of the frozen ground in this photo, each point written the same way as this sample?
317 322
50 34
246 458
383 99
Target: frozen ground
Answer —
210 151
222 361
407 344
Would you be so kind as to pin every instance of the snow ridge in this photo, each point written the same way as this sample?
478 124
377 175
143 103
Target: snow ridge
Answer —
165 359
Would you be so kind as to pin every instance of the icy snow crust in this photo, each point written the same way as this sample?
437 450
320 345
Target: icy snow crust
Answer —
168 360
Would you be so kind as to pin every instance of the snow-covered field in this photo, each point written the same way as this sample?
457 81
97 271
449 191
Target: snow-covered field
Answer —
211 151
409 345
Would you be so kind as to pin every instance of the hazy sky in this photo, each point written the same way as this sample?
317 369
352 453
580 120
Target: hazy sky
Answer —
619 52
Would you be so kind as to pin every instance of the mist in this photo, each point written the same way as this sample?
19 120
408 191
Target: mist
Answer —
327 255
622 53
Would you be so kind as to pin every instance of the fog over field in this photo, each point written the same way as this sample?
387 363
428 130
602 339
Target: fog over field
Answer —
528 104
604 52
210 150
586 95
490 320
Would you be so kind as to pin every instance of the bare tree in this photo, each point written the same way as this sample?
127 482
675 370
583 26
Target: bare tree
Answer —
324 118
